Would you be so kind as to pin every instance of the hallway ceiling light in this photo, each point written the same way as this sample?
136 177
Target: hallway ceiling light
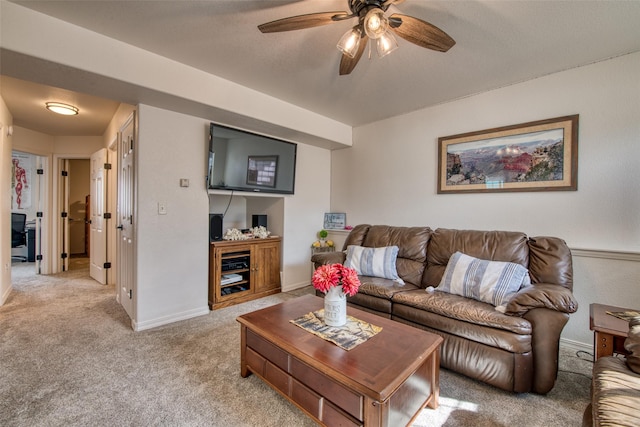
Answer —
61 108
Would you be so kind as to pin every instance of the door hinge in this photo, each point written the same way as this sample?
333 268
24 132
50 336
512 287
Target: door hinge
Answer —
106 215
130 293
39 214
40 171
64 173
39 257
106 265
64 214
107 166
63 255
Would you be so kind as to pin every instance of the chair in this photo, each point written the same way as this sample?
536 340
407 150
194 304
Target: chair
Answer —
18 233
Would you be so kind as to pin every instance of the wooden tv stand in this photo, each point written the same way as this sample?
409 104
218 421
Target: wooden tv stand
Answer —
243 270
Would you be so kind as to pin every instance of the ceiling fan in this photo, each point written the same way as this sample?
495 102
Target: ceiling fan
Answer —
372 24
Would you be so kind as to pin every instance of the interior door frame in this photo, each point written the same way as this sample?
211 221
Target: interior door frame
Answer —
43 199
56 231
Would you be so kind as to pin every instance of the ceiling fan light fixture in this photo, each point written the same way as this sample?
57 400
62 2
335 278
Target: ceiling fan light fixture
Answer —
61 108
350 42
375 24
386 44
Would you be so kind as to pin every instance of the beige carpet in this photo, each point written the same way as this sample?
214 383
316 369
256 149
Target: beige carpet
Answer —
68 357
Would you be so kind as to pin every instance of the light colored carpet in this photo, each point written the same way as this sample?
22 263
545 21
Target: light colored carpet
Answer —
68 357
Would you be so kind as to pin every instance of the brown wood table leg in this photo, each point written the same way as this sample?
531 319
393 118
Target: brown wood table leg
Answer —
244 371
603 344
435 380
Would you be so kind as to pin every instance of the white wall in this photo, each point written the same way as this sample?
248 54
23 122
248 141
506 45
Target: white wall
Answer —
6 120
172 281
389 176
172 260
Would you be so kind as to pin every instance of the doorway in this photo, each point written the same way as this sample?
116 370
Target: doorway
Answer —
29 200
72 194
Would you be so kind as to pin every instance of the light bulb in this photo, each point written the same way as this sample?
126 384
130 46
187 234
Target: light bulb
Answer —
387 43
350 42
375 24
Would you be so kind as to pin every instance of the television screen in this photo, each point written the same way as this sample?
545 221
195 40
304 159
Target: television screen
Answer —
244 161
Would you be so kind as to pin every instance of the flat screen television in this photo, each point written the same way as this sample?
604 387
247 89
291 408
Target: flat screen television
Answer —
245 161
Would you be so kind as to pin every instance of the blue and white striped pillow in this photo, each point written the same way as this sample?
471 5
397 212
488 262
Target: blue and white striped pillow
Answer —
493 282
376 262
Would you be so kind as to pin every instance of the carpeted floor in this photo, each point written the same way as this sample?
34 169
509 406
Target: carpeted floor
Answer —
68 357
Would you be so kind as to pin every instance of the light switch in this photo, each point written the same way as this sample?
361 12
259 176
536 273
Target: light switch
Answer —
184 182
162 208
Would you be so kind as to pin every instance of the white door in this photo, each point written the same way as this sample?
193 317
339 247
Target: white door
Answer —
98 230
125 216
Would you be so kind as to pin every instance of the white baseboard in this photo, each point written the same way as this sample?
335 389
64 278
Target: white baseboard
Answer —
5 296
294 286
575 346
176 317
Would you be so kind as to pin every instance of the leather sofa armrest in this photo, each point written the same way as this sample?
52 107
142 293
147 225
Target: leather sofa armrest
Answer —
553 297
546 327
322 258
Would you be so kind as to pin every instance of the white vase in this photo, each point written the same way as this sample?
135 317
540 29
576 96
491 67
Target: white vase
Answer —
335 307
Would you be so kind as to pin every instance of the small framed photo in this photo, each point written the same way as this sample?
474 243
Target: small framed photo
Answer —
262 171
335 221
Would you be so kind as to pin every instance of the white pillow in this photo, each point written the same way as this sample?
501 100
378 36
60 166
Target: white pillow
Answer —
376 262
493 282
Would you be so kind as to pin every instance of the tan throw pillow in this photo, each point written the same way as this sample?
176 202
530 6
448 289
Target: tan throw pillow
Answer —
632 345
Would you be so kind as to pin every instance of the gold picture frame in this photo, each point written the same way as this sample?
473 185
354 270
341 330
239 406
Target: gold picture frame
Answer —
533 156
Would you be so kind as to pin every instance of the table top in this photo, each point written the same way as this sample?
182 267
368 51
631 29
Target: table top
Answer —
376 367
600 321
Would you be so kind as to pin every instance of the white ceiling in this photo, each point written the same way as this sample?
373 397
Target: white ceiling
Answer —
498 43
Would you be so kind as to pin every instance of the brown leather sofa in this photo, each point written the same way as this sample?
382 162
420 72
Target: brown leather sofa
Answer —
516 350
615 386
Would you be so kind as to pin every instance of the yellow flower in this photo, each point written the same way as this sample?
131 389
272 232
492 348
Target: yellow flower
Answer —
316 244
330 243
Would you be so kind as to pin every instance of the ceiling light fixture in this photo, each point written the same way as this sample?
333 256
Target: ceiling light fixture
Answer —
376 27
350 42
61 108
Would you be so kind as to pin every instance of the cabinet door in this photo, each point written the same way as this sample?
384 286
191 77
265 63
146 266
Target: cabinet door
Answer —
265 259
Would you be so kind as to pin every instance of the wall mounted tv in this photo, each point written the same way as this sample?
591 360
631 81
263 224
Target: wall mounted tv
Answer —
244 161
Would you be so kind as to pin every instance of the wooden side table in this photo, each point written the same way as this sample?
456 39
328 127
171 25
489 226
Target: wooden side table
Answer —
609 332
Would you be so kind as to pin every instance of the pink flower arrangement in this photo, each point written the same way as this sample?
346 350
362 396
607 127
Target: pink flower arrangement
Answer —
329 275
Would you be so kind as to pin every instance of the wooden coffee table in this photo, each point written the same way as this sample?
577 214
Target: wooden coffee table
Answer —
384 381
609 332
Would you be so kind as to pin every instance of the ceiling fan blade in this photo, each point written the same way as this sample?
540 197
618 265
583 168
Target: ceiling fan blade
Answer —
420 32
303 21
347 64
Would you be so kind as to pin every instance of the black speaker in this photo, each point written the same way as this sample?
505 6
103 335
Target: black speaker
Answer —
259 220
215 227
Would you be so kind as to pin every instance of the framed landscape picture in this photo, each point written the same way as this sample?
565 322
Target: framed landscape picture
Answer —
534 156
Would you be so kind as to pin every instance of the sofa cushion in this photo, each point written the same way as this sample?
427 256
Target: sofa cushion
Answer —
632 345
412 247
493 282
460 308
615 393
509 246
376 293
376 262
